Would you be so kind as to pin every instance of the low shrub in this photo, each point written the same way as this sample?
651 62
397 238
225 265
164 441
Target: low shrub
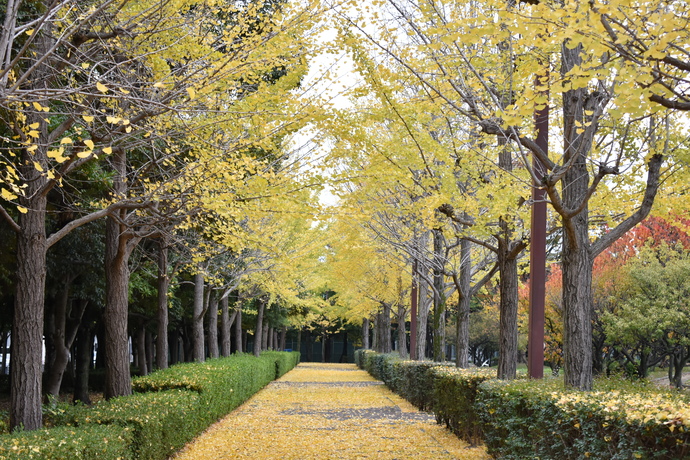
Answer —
523 418
617 420
285 360
102 442
168 409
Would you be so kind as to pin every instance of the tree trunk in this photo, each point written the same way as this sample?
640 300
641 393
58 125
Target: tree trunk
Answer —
462 284
212 326
116 343
508 317
439 299
423 314
84 357
264 337
118 248
283 336
238 329
226 321
259 328
365 333
402 331
376 332
64 335
141 351
27 325
269 344
386 339
162 347
198 352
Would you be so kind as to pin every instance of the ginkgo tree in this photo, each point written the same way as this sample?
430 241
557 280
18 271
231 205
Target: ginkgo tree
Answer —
613 140
106 82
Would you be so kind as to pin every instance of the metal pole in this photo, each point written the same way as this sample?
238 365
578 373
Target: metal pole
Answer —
535 363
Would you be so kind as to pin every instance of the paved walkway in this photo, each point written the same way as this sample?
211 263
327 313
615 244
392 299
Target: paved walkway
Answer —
328 411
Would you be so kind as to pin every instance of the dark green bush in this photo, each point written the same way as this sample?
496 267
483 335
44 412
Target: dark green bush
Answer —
170 407
285 360
102 442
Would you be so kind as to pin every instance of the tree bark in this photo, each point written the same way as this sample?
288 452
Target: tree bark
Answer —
508 317
365 333
402 331
198 351
141 350
84 357
238 329
27 325
226 321
439 299
259 328
386 339
283 336
162 346
212 326
462 284
423 316
264 336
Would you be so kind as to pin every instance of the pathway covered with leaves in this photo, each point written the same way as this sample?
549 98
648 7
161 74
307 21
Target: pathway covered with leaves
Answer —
328 411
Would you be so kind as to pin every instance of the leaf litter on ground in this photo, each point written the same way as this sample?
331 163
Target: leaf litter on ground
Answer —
328 411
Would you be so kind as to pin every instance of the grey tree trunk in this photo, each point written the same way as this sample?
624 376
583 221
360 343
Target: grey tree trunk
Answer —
269 344
141 351
83 357
27 325
462 284
162 347
283 337
238 329
365 333
386 328
226 321
259 328
212 326
198 352
376 329
439 299
508 317
423 316
402 331
264 336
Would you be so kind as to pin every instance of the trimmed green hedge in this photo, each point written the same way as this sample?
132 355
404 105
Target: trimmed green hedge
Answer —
539 419
168 409
618 420
106 442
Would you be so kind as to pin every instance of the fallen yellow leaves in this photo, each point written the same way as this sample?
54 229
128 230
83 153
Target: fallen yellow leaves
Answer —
328 411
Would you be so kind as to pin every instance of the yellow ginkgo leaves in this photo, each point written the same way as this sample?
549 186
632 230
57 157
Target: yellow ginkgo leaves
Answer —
328 411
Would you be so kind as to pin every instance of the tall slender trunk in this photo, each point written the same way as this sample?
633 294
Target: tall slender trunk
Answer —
162 347
226 321
386 339
238 329
212 326
508 317
462 284
83 356
259 328
402 331
198 351
365 333
264 336
439 325
27 325
423 316
141 351
283 337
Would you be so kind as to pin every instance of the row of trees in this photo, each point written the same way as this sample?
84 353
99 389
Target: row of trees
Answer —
440 155
143 145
